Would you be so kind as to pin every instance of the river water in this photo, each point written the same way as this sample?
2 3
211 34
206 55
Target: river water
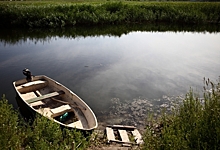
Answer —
144 65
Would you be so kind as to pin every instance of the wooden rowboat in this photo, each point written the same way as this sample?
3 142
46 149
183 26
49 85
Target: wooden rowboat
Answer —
51 99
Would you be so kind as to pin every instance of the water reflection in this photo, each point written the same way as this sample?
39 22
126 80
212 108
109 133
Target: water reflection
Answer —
99 68
18 36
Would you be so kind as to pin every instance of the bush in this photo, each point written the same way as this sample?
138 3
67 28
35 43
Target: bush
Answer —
41 134
9 132
55 15
194 125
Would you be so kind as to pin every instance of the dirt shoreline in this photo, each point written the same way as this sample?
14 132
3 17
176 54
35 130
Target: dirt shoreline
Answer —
133 113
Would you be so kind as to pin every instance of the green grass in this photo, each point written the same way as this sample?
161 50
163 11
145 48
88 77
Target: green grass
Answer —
55 14
41 134
193 125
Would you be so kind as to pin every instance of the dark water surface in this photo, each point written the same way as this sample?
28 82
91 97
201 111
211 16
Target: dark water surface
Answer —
99 68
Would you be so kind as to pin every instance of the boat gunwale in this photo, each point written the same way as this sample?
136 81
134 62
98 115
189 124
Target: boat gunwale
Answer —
67 89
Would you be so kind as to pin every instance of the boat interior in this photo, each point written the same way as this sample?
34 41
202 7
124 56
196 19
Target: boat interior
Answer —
42 97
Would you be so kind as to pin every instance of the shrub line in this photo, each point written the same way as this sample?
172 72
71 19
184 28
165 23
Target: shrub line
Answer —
73 14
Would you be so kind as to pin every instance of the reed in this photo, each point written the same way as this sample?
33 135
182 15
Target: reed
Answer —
193 125
62 14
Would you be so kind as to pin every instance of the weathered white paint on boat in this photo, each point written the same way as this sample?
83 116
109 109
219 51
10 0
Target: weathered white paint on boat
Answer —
51 99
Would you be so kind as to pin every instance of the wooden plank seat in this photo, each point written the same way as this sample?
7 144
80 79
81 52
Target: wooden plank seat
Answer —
75 124
32 86
38 103
45 96
60 110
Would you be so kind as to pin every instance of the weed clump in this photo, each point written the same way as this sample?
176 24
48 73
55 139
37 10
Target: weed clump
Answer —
193 125
43 133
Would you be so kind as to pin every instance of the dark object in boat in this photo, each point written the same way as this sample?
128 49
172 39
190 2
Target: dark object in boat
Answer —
28 75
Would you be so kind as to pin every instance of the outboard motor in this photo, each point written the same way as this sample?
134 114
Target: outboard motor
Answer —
28 75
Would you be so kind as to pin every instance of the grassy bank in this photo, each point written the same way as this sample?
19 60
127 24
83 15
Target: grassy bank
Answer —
62 14
193 125
42 134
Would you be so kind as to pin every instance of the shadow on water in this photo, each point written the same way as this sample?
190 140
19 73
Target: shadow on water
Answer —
13 36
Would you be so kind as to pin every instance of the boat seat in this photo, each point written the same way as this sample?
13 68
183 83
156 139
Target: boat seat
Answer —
32 86
60 110
38 103
77 124
45 96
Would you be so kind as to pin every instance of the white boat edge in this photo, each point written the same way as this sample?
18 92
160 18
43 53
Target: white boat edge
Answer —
89 115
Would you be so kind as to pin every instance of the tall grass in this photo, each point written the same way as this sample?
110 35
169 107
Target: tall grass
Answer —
9 132
53 14
194 125
41 134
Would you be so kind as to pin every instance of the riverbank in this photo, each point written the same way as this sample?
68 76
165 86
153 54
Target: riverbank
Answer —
57 14
192 124
137 113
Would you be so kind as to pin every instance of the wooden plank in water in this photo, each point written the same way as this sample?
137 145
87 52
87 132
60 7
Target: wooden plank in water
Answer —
110 134
126 145
124 135
122 127
117 141
44 97
137 136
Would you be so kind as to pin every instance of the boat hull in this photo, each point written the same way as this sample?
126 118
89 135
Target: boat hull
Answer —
24 109
86 118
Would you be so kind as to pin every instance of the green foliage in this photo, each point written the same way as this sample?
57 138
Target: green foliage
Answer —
194 125
9 131
54 14
41 134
